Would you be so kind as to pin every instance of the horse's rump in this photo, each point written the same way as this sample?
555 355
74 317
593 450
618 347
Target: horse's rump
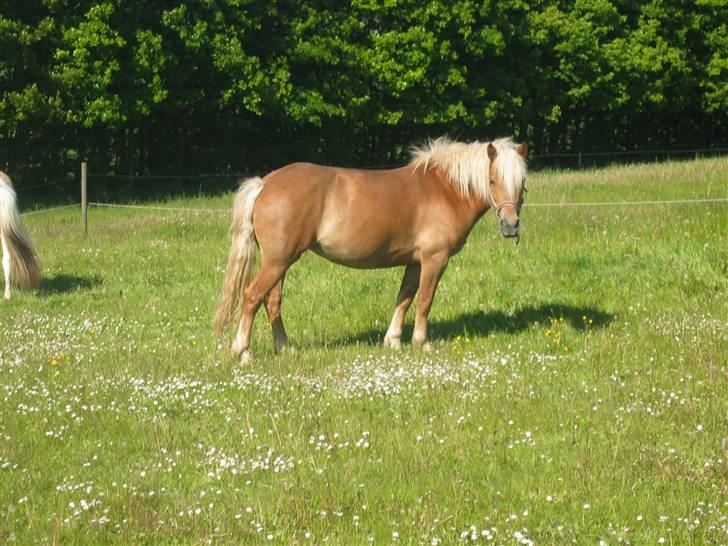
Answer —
23 261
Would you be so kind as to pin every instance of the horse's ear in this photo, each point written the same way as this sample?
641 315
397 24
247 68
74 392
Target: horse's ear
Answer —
522 149
492 152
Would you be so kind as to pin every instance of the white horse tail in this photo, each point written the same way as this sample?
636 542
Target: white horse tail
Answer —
242 254
17 248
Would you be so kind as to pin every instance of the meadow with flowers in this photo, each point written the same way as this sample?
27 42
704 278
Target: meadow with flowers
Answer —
577 392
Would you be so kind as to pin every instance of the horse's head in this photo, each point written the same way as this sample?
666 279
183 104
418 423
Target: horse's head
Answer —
507 183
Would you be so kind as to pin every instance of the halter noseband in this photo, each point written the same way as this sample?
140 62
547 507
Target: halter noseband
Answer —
499 206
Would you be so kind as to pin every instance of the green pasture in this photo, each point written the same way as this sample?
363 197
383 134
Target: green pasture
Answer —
577 392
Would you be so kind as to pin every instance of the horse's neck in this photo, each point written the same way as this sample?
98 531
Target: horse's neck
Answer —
469 208
464 211
473 209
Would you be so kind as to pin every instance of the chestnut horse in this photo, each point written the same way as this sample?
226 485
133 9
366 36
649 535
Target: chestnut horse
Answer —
20 262
416 216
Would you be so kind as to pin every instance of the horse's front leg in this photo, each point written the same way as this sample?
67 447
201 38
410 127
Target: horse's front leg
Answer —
431 270
407 291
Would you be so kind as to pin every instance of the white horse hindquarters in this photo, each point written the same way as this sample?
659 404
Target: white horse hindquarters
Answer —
20 262
7 202
6 265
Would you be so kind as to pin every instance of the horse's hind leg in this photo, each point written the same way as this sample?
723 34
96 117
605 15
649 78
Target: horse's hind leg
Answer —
407 291
253 296
273 309
6 267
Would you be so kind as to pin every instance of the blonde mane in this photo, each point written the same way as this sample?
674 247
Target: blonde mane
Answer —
468 166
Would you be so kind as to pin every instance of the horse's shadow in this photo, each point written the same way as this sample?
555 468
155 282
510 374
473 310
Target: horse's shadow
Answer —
482 324
62 284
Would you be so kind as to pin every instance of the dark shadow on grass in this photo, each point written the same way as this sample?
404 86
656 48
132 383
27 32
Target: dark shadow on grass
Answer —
482 324
62 284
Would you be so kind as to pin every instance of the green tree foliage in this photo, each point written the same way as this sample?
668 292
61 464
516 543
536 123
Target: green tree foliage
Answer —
29 104
215 85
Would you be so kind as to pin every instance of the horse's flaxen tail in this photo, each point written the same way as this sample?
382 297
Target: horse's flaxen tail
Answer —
242 254
15 241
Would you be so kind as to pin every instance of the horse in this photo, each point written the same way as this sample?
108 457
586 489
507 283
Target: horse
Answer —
416 216
20 262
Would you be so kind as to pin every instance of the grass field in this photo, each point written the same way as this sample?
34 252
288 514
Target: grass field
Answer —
577 392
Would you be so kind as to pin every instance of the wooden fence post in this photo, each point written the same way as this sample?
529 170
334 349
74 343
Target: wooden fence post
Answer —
84 198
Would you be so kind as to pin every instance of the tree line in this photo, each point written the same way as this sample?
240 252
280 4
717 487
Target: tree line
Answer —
164 86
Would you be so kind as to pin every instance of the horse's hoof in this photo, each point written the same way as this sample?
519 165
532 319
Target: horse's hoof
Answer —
282 346
246 357
392 343
423 345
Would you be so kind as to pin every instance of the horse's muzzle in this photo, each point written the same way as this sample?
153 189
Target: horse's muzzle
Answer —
509 229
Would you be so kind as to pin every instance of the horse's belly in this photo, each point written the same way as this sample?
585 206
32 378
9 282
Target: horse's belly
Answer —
364 226
363 254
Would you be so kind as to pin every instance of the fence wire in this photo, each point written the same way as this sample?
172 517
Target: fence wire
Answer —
58 182
543 205
629 203
152 207
529 205
537 159
51 209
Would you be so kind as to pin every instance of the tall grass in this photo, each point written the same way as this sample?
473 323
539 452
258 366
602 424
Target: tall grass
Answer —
578 391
